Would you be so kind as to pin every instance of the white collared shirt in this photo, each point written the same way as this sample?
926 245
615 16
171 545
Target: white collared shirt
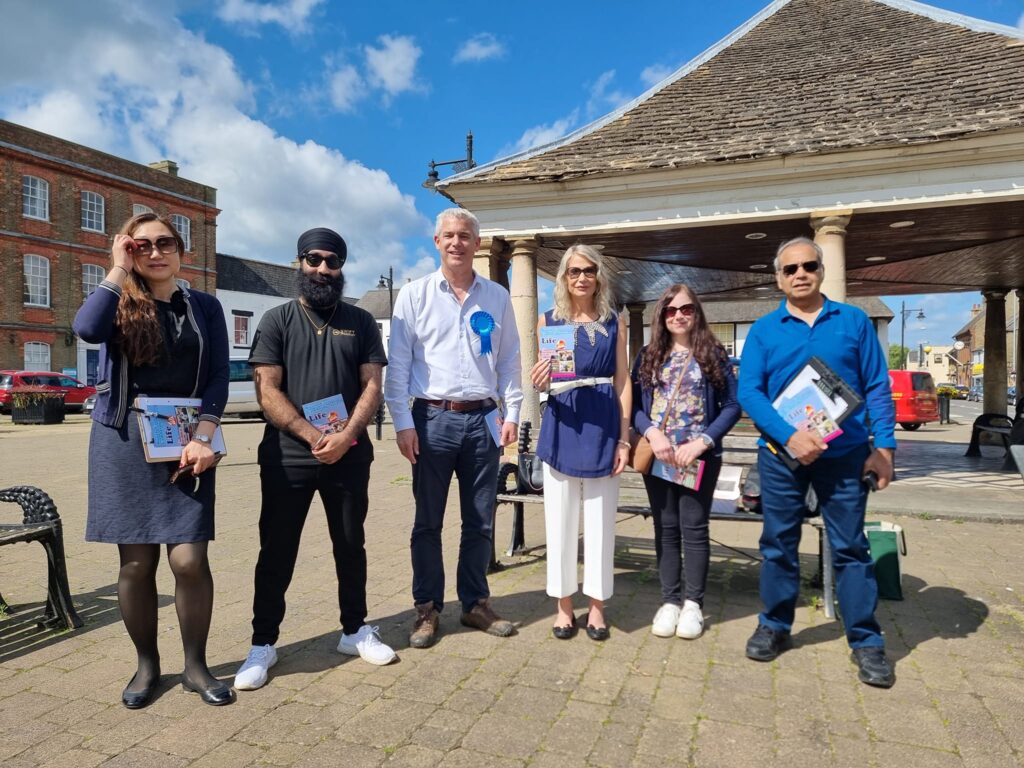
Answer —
434 354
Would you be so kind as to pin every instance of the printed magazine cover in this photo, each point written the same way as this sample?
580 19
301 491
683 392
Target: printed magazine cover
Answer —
688 477
167 424
804 406
328 414
557 344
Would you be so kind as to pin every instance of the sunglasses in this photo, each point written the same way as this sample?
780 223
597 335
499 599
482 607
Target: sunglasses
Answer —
575 272
315 259
810 267
687 310
165 245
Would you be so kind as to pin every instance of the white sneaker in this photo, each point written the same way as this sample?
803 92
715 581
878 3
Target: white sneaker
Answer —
691 621
367 645
665 620
253 672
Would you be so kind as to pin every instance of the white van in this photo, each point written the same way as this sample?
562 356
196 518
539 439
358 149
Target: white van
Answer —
241 391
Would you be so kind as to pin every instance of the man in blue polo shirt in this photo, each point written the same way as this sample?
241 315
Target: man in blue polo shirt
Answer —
808 324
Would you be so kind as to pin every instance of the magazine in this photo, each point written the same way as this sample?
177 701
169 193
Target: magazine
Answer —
558 344
688 476
167 424
327 414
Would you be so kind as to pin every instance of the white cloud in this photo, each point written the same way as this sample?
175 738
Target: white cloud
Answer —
392 66
654 74
479 48
542 134
292 15
603 100
1020 23
346 88
184 100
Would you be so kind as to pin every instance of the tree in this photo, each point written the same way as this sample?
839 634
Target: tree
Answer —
897 356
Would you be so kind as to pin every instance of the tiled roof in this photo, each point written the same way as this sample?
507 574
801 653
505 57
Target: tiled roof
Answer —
251 276
802 77
377 303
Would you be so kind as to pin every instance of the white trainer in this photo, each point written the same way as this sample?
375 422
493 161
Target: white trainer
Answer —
253 672
367 645
691 621
665 620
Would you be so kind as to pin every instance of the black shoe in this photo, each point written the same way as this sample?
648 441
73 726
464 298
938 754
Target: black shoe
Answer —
873 667
767 643
598 634
216 695
564 633
140 699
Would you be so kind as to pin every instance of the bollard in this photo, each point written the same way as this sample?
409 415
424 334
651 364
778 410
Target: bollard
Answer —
379 420
944 409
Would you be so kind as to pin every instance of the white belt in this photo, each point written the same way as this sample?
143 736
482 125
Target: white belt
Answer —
559 387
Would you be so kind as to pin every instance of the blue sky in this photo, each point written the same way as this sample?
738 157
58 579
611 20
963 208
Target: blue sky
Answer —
316 112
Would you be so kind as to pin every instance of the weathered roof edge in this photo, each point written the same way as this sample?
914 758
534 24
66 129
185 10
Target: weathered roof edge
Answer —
910 6
596 125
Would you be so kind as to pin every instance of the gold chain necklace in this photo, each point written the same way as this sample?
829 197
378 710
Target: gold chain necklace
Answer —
319 330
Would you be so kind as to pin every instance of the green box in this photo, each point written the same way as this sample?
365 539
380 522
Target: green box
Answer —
888 546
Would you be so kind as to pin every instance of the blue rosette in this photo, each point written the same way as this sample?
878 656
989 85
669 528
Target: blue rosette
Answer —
483 325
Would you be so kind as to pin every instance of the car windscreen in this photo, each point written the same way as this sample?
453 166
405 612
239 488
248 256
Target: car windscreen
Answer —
5 380
922 382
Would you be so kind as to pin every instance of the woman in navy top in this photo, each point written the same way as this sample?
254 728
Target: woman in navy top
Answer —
582 436
684 403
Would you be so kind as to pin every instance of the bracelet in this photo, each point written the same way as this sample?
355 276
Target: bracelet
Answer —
623 443
118 266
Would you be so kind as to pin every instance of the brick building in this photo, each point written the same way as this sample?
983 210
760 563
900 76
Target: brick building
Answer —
60 203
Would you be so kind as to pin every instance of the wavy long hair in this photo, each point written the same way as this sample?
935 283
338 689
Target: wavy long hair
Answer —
604 297
705 348
137 325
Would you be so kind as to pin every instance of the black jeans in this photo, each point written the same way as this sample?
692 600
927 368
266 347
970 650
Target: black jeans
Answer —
287 494
681 533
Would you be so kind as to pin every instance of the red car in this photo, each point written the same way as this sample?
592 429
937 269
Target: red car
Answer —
75 392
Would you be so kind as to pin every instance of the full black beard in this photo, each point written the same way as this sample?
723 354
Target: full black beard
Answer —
319 291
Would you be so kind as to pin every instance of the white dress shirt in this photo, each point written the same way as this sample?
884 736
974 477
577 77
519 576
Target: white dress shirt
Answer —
434 354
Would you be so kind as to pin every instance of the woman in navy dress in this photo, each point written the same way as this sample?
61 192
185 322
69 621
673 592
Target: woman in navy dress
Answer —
162 340
583 437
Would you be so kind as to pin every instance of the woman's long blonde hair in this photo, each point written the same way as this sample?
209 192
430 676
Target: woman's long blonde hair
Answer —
604 297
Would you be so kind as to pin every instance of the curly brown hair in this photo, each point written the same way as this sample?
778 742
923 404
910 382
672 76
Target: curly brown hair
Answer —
706 349
137 324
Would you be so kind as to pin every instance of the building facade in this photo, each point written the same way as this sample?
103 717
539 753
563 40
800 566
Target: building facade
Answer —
60 204
247 288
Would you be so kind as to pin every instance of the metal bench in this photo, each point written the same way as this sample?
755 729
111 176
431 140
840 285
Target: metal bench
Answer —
41 522
993 423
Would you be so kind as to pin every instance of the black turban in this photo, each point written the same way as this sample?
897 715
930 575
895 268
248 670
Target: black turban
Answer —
322 239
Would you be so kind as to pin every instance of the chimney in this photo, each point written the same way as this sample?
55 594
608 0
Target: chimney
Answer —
165 166
975 309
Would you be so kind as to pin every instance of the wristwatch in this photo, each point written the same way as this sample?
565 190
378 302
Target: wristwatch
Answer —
708 440
204 439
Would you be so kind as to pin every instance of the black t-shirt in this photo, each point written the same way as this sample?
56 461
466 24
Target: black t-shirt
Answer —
316 366
175 373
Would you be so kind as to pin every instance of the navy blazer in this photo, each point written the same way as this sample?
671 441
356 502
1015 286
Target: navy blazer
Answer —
721 408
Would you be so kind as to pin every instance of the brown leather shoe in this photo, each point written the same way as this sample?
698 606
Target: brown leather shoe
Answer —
482 617
424 631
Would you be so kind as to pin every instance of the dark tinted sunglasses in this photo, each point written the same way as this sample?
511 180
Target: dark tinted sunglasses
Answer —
165 245
810 267
575 272
687 310
314 260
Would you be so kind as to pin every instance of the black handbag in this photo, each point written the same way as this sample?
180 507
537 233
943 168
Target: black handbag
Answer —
531 473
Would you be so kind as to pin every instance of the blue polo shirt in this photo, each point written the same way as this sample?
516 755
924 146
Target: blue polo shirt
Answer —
779 345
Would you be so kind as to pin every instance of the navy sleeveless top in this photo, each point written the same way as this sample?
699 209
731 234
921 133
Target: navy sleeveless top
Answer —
579 429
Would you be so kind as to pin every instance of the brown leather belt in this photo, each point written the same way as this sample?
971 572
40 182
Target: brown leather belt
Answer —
461 406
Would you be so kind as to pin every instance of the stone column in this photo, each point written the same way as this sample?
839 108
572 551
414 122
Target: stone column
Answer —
830 233
491 260
524 302
994 399
636 331
1018 341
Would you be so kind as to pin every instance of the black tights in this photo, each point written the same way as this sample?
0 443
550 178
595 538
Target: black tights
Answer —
193 600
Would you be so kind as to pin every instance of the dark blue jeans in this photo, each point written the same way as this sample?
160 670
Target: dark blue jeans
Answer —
459 443
842 498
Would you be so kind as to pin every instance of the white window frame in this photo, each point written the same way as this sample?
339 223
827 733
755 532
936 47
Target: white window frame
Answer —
183 224
727 337
94 217
138 208
92 276
35 198
37 356
36 269
241 330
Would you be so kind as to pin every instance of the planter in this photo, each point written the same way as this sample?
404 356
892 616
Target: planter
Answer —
40 410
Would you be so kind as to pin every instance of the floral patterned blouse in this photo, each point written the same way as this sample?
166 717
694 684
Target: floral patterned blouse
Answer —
686 411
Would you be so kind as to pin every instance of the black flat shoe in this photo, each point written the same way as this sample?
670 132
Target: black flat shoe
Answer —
564 633
139 699
216 696
598 634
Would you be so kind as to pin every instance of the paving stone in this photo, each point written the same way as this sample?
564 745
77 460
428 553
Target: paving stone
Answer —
79 758
230 754
385 722
137 757
341 753
731 744
572 736
467 758
504 736
530 703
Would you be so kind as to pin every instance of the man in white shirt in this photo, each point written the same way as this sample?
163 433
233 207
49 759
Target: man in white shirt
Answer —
454 351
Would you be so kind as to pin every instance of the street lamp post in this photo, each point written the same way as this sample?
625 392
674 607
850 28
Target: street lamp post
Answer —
903 331
389 283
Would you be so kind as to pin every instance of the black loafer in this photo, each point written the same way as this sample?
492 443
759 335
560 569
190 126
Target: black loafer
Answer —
140 699
216 696
767 643
564 633
873 667
598 634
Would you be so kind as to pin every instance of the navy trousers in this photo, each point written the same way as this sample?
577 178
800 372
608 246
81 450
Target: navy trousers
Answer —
842 499
459 443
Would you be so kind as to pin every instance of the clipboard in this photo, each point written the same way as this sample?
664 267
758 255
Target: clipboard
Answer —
816 399
166 425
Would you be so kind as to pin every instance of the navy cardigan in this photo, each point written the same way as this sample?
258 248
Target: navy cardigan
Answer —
721 408
95 324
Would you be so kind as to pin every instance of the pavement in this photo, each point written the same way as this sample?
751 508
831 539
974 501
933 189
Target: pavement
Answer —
530 700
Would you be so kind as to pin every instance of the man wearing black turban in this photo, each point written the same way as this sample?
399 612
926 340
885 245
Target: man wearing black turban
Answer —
317 365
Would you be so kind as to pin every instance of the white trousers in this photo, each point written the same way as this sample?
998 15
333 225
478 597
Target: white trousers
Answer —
563 497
